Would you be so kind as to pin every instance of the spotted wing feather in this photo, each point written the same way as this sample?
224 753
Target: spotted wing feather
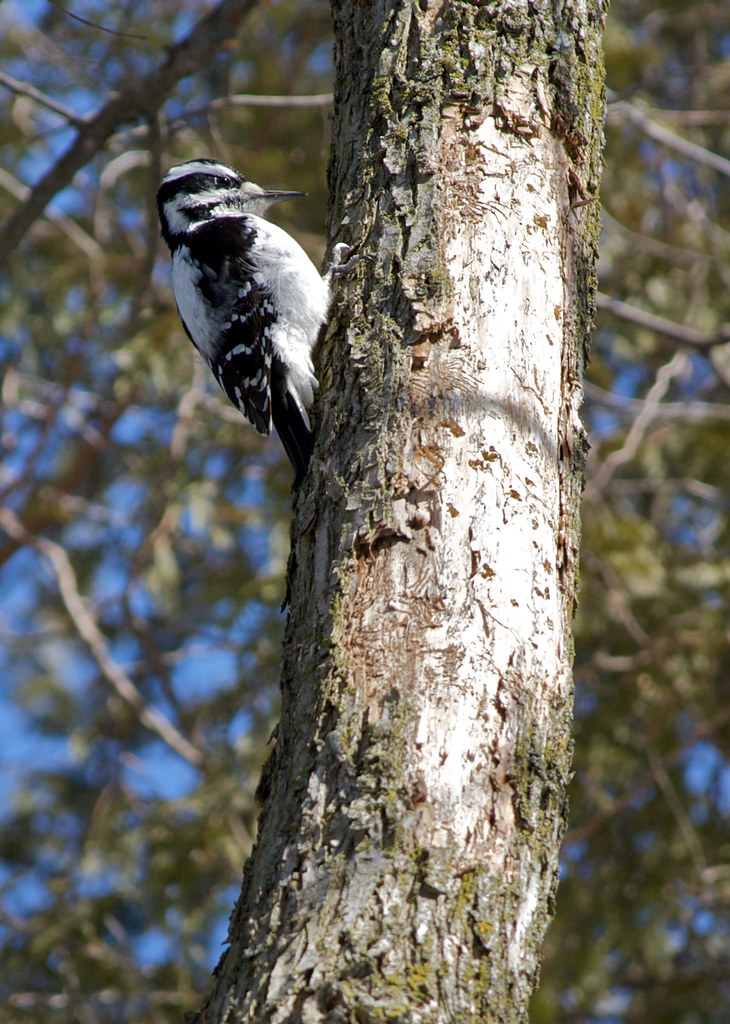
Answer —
242 364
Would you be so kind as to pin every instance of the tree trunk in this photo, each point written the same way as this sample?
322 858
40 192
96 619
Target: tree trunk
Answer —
406 862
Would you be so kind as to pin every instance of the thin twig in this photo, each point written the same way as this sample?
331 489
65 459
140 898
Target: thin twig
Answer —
687 335
624 111
694 118
90 633
702 731
662 250
68 225
691 411
24 89
141 99
320 99
93 24
646 415
684 823
617 601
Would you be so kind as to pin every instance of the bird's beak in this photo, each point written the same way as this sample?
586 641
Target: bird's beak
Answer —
280 197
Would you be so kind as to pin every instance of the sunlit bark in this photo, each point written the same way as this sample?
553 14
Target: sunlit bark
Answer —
414 804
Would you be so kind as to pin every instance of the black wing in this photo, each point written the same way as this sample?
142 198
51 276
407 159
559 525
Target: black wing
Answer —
254 379
291 422
242 364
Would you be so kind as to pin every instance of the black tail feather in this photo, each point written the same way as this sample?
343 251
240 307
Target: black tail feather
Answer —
293 430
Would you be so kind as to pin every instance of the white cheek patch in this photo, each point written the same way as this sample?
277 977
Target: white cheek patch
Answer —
177 220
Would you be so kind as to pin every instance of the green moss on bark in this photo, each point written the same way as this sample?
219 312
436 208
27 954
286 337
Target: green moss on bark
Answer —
341 893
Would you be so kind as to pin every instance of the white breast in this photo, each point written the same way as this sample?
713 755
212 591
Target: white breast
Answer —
203 322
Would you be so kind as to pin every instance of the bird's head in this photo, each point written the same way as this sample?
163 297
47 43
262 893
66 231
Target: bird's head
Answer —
198 191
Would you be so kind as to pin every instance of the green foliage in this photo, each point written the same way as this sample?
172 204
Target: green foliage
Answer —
131 484
120 858
642 931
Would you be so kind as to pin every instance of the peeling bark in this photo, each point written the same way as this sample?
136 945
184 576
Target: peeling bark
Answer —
414 805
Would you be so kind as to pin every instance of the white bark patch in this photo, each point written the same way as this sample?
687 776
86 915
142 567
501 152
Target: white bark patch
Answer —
497 558
525 914
478 600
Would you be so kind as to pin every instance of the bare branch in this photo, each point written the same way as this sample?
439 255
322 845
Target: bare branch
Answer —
142 99
624 111
687 335
648 412
89 631
693 118
68 225
93 24
702 731
686 829
617 601
662 250
690 411
23 89
320 99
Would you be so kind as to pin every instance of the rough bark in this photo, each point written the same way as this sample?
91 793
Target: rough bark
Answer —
413 807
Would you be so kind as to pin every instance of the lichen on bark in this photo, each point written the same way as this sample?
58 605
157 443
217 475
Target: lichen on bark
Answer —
406 863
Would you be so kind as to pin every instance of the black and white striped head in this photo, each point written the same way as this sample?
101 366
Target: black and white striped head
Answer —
200 191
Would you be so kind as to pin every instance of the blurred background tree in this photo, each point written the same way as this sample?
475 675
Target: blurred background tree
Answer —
133 725
642 931
144 525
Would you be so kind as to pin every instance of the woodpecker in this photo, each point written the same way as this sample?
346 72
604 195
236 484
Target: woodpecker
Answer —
249 298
